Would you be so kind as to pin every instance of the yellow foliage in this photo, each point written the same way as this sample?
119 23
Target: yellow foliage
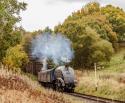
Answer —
15 58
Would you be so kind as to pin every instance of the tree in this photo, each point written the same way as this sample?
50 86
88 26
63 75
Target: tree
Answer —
88 45
91 34
90 16
15 58
92 50
91 8
9 16
47 29
116 17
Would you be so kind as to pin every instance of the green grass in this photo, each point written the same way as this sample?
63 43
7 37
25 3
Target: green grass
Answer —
117 63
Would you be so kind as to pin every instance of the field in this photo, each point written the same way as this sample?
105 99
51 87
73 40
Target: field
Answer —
110 81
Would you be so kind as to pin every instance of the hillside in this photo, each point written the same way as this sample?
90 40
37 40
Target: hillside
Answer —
17 88
110 80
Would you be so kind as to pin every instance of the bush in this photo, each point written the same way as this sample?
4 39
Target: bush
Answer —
15 58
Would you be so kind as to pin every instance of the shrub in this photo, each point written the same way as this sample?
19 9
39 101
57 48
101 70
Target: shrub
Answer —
15 58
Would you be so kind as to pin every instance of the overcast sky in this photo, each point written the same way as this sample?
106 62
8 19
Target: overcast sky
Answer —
42 13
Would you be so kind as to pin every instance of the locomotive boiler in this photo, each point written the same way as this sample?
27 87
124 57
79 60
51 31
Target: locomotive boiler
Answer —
61 78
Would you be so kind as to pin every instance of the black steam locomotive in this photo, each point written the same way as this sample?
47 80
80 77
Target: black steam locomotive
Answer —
61 78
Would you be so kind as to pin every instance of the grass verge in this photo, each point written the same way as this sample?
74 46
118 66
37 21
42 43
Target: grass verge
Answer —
18 88
110 81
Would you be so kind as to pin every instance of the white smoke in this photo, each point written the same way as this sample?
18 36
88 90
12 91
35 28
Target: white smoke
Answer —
52 46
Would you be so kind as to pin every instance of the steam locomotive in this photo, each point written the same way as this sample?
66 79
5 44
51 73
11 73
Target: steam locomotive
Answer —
61 78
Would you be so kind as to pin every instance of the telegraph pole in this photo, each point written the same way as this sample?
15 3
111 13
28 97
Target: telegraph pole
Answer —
96 81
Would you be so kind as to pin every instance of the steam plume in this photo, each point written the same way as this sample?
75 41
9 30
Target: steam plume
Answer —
55 47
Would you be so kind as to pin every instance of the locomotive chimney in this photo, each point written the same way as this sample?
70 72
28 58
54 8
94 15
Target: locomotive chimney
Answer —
66 66
44 64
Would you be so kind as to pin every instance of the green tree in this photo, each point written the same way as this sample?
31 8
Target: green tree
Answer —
92 49
9 16
47 29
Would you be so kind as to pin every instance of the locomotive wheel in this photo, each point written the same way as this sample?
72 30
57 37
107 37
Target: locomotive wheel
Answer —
58 86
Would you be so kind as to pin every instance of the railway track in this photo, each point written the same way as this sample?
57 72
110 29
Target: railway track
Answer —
94 99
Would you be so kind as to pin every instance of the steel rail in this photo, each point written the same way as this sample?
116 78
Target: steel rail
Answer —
95 98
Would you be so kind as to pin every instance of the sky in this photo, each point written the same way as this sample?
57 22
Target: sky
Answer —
42 13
